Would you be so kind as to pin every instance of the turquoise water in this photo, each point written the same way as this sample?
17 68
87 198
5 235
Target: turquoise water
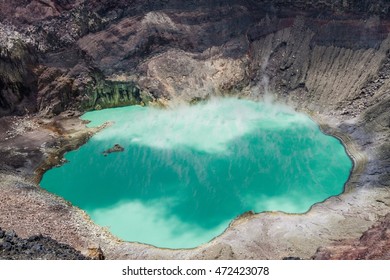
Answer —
187 172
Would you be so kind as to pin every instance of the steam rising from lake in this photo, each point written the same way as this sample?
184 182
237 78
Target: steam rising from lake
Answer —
187 172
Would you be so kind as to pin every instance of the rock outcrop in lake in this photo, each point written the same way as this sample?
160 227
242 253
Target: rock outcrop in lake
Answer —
115 149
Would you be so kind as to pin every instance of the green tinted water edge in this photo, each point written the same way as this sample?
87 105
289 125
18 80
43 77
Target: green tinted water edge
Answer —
186 173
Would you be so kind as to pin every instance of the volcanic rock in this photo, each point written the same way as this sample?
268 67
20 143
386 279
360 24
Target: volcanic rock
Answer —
35 247
373 244
116 148
329 59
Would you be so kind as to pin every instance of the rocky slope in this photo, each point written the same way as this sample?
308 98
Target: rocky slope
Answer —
75 52
330 59
373 244
36 247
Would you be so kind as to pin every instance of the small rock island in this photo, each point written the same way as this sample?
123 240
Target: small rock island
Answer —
115 149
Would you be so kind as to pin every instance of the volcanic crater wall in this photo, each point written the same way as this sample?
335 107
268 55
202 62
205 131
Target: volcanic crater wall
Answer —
328 58
186 48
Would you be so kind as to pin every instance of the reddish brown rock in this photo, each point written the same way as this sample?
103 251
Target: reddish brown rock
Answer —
374 244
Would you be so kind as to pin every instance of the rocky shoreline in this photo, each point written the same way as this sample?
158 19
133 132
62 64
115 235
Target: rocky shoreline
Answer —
90 238
330 61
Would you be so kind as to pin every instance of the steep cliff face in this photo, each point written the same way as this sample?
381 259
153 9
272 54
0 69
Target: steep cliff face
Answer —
17 80
219 47
328 58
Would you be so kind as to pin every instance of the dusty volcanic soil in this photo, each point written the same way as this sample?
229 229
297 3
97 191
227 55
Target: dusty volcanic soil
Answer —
329 59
